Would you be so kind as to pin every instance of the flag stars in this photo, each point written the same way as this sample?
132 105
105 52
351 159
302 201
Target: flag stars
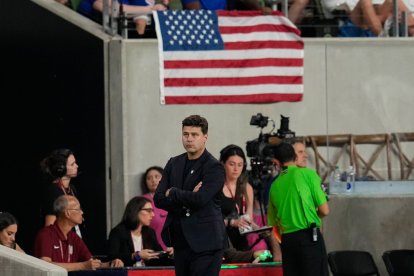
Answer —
191 29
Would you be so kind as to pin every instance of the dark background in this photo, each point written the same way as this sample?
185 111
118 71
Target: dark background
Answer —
52 95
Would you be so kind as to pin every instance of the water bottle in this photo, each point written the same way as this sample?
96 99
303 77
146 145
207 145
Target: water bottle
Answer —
335 181
350 179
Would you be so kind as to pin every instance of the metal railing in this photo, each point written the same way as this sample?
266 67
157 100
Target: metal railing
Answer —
113 19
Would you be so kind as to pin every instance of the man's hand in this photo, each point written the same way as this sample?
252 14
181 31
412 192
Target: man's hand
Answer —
197 187
92 264
116 263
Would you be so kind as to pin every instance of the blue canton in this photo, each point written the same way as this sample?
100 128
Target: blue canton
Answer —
195 30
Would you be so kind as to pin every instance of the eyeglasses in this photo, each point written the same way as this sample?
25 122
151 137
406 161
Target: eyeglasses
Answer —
79 210
149 210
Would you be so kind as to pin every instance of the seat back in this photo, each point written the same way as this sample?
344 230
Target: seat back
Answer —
352 263
399 261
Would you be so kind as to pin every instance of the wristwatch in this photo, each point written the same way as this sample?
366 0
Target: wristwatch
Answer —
137 257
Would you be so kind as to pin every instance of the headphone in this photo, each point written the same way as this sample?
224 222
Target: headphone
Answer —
231 150
57 162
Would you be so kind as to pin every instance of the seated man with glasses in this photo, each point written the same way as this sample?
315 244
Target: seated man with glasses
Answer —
134 241
59 244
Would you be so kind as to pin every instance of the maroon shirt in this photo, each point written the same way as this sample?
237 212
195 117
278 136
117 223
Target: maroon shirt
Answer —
50 242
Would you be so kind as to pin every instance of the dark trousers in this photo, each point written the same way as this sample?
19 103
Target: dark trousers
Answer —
190 263
302 256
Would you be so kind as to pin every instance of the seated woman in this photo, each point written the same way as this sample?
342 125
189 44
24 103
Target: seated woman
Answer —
8 230
149 183
133 241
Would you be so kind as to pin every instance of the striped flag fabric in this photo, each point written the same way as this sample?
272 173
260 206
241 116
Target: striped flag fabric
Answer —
211 57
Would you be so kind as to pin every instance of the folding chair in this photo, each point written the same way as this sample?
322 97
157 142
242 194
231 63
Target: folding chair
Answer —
399 262
352 263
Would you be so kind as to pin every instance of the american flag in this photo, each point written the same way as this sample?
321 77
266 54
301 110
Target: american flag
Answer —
228 57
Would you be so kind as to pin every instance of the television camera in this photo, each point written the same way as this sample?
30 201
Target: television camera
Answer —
261 149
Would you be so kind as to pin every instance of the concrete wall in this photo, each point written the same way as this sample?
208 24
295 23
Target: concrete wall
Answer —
351 86
13 263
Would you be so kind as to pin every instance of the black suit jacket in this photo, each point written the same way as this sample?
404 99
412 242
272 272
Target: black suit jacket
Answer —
120 245
204 227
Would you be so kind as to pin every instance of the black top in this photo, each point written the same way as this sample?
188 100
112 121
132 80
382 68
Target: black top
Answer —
51 193
121 246
229 210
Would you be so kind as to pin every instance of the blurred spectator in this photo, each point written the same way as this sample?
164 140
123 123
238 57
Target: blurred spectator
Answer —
301 154
203 4
149 183
224 5
8 230
139 10
373 15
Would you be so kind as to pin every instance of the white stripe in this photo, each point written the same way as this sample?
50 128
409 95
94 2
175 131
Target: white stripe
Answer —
231 21
260 36
233 90
233 54
232 72
161 56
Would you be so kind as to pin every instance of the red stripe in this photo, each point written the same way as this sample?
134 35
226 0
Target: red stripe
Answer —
258 28
236 13
266 44
243 63
170 82
218 99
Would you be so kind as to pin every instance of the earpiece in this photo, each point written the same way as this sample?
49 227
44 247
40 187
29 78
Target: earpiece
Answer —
57 162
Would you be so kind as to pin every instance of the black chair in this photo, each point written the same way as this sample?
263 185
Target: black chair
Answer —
399 262
352 263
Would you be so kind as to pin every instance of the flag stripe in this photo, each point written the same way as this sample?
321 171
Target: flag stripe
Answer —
264 44
255 28
239 72
169 82
258 98
234 90
233 54
233 63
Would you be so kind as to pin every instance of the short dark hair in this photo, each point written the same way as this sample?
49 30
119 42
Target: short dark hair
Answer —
134 205
196 121
6 219
284 152
144 187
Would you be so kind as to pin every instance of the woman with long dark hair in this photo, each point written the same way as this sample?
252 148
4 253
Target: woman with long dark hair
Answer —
133 241
8 230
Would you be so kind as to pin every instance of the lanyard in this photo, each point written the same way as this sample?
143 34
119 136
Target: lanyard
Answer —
234 199
70 251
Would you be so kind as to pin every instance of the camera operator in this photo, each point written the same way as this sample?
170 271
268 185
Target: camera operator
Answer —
303 247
